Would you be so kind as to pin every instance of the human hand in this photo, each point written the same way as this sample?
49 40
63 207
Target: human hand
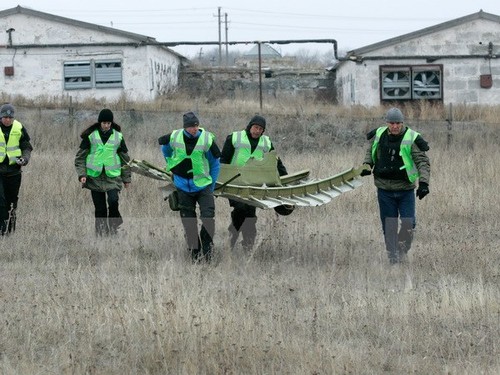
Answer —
367 170
21 161
423 190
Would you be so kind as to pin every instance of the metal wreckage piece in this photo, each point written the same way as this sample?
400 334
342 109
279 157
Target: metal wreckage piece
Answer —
258 184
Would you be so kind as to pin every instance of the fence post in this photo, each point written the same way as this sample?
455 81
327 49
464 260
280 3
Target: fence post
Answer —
71 111
449 122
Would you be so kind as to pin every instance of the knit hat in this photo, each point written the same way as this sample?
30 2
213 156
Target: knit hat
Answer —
257 120
105 116
394 115
7 110
190 119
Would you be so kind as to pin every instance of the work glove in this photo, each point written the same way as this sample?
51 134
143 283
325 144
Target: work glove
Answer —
367 170
423 190
21 161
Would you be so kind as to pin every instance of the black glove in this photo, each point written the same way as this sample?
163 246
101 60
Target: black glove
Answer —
423 190
367 170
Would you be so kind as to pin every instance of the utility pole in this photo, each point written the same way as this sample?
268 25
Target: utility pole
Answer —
227 41
220 39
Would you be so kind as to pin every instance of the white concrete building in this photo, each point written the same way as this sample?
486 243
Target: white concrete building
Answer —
452 62
43 55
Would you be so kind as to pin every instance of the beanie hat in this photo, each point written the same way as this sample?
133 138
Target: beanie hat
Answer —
105 116
7 110
257 120
394 115
190 119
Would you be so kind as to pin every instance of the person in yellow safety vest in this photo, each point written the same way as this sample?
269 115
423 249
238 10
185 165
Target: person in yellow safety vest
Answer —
192 155
15 152
101 166
238 148
397 155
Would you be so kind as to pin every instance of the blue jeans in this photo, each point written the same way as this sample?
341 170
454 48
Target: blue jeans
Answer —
396 206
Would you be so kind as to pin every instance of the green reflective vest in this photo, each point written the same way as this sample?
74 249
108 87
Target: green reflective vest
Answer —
104 155
243 149
11 148
404 151
201 168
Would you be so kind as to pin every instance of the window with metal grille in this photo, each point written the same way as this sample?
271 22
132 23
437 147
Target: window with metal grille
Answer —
411 82
108 74
92 74
77 75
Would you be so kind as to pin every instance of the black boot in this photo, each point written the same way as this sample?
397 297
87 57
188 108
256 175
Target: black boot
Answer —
101 226
233 236
11 225
196 255
114 224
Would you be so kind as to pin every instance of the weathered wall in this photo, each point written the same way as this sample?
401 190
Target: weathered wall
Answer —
147 71
276 83
359 82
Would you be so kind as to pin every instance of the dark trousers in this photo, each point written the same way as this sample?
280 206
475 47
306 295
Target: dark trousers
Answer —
107 215
200 245
396 206
9 195
244 220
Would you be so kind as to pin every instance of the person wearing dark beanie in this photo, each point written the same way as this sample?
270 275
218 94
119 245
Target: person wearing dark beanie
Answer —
257 120
239 147
105 116
102 167
192 155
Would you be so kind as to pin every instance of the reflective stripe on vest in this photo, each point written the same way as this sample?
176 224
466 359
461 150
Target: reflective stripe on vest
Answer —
404 151
243 149
104 155
11 149
201 168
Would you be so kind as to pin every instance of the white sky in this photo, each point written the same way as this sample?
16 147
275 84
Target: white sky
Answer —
352 23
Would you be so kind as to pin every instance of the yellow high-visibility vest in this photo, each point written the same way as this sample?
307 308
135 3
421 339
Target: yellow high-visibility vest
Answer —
104 155
404 151
201 167
243 149
11 148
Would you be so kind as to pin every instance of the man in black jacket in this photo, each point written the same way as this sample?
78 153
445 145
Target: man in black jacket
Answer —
238 148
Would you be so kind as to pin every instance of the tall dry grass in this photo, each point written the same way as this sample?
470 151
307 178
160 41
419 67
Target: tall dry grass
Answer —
317 296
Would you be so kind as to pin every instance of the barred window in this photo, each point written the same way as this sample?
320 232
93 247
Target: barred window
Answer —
92 74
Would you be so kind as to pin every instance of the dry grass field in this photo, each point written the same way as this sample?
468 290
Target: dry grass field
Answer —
316 296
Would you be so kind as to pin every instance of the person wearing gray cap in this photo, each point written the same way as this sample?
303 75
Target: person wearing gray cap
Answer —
192 155
15 153
397 156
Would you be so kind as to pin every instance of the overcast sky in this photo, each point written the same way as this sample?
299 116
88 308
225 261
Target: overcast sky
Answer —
352 23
